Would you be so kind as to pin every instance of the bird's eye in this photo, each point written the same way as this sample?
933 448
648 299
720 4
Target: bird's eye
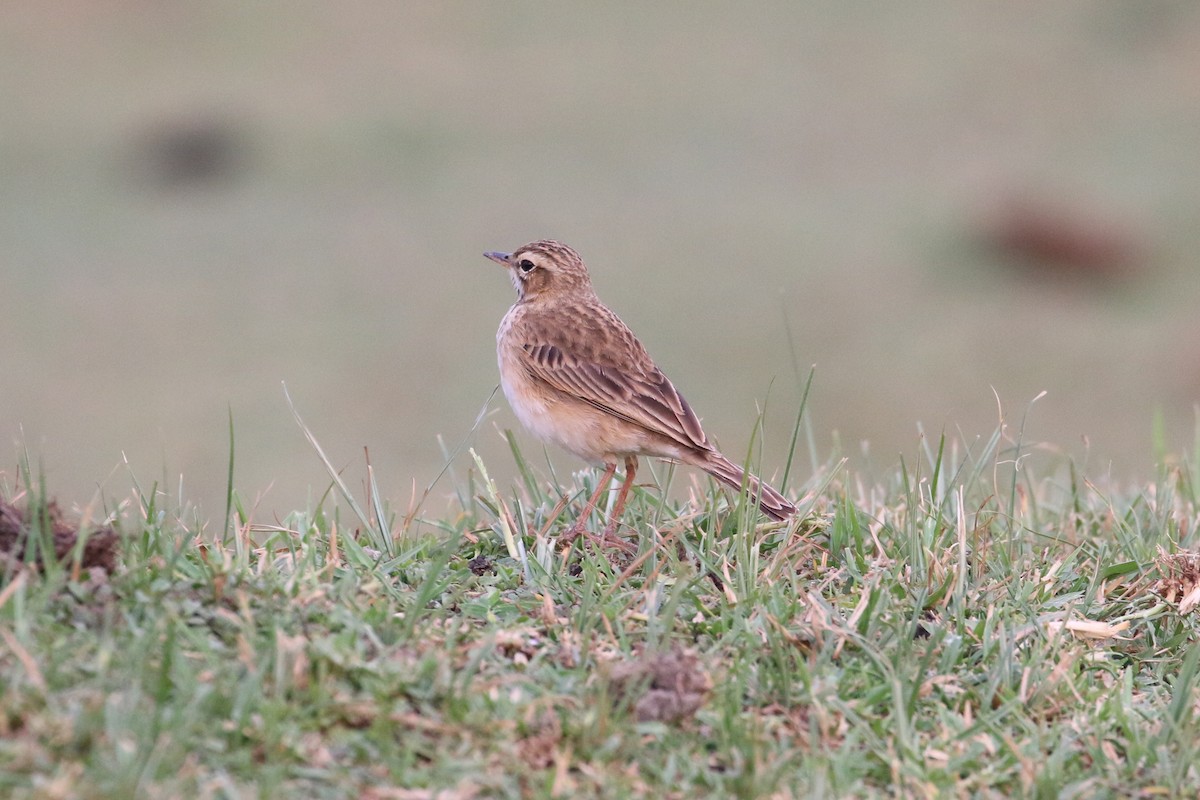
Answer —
525 264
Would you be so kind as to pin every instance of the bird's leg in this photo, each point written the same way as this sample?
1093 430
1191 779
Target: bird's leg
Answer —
580 524
610 530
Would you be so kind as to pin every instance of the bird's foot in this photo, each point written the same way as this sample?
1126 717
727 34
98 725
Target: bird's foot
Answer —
571 534
609 538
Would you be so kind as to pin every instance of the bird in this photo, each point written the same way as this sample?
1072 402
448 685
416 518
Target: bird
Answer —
575 375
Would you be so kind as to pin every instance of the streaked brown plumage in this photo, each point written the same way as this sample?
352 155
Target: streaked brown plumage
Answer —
576 375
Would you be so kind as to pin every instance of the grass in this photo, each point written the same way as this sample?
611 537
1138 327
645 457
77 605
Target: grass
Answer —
956 627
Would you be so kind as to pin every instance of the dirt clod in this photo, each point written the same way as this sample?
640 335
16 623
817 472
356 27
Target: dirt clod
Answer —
669 686
538 749
1180 581
16 524
480 565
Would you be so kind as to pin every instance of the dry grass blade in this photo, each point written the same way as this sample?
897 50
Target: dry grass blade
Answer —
334 473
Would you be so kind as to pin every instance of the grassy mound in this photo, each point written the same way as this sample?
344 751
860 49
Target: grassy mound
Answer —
957 627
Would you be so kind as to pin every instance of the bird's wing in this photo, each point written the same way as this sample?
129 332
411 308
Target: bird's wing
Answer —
601 362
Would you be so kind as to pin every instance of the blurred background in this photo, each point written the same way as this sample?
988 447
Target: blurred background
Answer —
935 204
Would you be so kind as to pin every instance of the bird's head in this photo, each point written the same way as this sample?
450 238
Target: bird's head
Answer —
544 267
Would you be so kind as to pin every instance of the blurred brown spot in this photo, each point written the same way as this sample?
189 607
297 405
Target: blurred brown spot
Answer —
540 748
1057 240
100 549
198 150
668 686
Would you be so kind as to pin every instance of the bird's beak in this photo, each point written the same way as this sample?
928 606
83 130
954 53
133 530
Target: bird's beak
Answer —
499 258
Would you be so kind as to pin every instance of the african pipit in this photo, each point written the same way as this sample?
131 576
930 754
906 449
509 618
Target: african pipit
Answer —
575 375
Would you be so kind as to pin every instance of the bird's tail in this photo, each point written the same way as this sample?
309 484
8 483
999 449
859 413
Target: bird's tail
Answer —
772 503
